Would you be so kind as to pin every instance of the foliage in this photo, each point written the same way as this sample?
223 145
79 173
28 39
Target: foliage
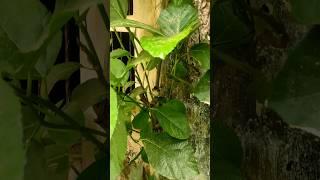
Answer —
39 132
160 122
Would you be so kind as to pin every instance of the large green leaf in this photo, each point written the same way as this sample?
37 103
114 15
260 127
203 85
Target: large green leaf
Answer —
12 153
296 91
60 72
227 153
89 93
118 144
170 157
306 12
118 9
202 89
24 21
113 110
161 46
201 52
118 53
66 136
175 19
134 24
96 171
173 119
141 120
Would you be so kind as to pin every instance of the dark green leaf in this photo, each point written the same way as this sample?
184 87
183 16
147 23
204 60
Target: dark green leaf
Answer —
141 120
201 52
143 57
12 156
170 157
66 136
296 91
181 70
134 24
306 12
89 93
202 89
153 63
60 72
173 119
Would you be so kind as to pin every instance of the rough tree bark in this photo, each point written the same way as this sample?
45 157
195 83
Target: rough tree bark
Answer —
272 149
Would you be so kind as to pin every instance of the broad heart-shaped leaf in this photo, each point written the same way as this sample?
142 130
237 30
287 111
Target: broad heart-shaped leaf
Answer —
306 12
118 144
62 136
89 93
201 52
118 9
12 156
230 23
134 24
96 171
296 89
170 157
173 119
113 110
202 89
161 46
175 19
227 153
59 72
118 72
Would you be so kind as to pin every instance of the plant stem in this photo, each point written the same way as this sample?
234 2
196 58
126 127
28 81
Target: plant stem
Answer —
47 104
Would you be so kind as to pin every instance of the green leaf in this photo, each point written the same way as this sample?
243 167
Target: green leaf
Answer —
228 153
173 119
49 57
181 2
159 46
143 57
118 9
306 12
134 24
201 52
181 70
89 93
170 157
175 19
118 53
113 110
296 91
202 89
24 22
118 72
46 162
96 171
60 72
12 156
230 23
153 63
66 136
141 120
118 145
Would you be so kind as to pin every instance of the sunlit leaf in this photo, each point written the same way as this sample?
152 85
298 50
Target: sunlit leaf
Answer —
113 110
134 24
